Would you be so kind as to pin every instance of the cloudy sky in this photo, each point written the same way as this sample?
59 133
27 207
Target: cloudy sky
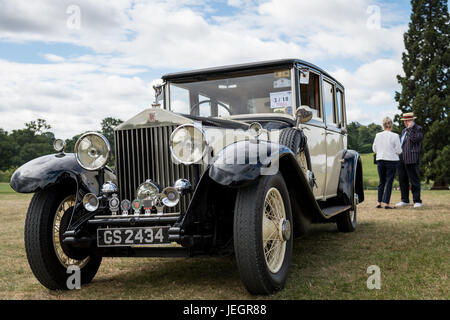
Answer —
76 62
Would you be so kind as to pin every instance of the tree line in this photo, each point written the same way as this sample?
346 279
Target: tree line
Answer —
36 139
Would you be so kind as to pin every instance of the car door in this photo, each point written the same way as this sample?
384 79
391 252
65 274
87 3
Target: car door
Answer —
334 136
309 95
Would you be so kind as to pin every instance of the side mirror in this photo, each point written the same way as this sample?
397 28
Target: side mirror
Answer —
303 114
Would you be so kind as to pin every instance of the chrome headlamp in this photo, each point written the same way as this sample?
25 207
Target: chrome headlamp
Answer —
92 151
59 145
170 197
147 191
188 144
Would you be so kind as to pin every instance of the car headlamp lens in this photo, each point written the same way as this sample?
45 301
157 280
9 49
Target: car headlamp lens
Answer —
188 144
92 151
147 191
170 197
59 145
90 202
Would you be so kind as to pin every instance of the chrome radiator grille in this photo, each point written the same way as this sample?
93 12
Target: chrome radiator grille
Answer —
143 154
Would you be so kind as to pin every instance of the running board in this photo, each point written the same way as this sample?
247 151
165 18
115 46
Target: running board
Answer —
334 210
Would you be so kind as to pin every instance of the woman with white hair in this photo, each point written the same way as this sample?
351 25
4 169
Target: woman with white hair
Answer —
387 147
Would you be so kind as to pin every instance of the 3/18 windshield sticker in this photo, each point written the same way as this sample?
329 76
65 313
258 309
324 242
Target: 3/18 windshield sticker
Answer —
282 99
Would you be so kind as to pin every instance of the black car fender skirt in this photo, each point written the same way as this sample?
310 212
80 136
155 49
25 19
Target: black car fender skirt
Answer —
242 162
48 170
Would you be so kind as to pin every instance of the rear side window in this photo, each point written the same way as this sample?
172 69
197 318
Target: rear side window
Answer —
340 106
309 92
328 102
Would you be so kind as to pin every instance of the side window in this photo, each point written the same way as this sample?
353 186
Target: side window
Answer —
328 102
179 99
309 92
340 106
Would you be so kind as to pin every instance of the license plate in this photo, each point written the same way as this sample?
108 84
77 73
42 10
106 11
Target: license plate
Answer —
123 237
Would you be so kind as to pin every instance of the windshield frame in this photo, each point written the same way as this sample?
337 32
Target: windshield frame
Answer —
241 73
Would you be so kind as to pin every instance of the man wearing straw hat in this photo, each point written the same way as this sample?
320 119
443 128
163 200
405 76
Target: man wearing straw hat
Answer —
408 171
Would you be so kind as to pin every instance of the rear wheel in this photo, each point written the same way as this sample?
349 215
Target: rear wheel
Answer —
263 235
47 219
347 221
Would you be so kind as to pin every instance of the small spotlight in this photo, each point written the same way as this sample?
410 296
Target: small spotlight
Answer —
59 145
90 202
170 197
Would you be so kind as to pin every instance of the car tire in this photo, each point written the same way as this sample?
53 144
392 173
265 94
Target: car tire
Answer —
50 208
253 225
347 221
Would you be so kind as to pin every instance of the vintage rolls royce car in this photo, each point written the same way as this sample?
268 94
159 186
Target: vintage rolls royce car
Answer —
236 160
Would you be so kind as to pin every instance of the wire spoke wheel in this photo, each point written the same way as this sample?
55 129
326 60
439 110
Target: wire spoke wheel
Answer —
64 208
262 234
273 242
301 158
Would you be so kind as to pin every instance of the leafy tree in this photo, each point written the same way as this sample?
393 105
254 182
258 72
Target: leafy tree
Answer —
353 135
361 137
8 150
38 127
70 143
425 85
108 125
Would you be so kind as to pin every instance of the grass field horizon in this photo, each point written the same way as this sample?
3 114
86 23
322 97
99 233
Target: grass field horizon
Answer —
411 247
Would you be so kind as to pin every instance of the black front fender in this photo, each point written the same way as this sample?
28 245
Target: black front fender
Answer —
242 162
48 170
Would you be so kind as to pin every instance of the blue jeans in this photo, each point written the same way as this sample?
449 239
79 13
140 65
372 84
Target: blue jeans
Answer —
386 173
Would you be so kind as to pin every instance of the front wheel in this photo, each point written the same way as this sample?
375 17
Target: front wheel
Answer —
47 219
263 234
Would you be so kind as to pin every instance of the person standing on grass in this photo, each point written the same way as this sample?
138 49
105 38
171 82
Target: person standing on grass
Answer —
408 170
387 147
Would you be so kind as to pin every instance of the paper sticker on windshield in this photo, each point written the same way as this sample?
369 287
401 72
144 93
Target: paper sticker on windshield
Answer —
282 74
304 77
282 83
281 99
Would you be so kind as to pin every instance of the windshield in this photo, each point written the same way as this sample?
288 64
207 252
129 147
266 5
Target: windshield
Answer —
268 92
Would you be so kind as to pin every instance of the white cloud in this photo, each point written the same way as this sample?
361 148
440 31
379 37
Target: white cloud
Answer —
53 58
130 37
73 97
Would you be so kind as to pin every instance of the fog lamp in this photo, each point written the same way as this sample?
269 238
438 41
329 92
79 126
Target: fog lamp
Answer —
90 202
147 191
59 145
170 197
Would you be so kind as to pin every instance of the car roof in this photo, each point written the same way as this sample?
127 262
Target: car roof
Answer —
244 67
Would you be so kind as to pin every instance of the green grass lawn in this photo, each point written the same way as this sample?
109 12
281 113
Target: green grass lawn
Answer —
5 189
411 247
370 173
